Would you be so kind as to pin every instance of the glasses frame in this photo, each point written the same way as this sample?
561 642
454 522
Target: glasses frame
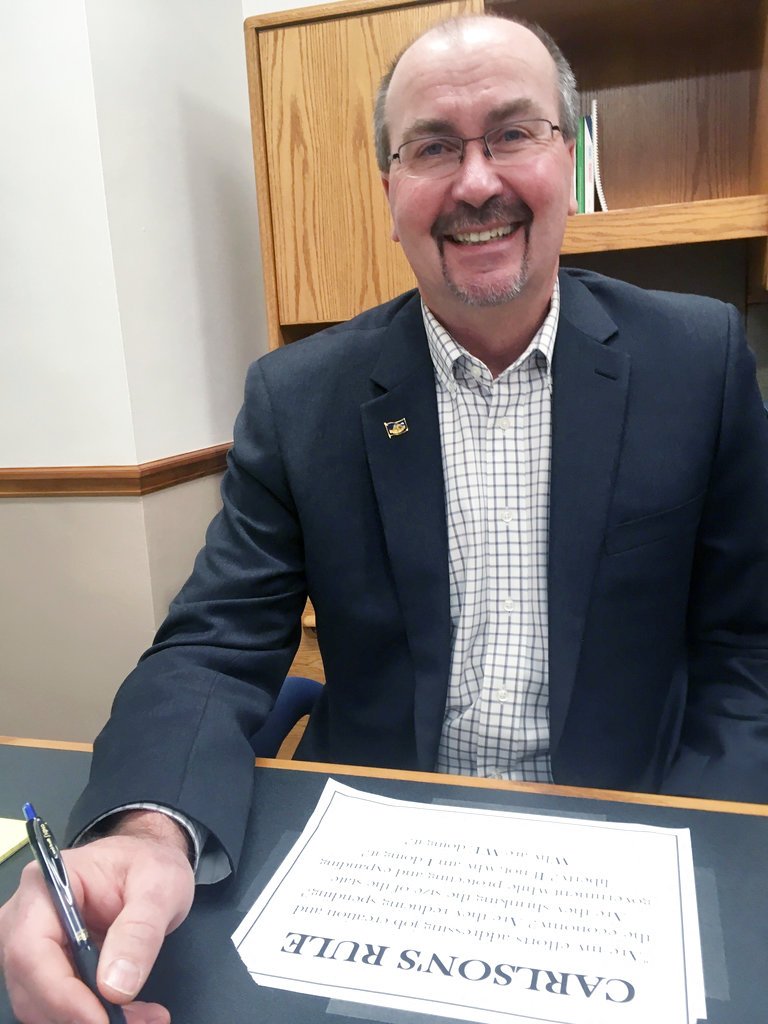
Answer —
475 138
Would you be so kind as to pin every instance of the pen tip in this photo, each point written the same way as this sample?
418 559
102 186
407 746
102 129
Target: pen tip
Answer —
29 812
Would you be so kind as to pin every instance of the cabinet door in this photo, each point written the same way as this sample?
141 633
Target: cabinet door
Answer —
330 221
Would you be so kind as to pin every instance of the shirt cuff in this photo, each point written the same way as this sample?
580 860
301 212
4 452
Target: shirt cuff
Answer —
209 861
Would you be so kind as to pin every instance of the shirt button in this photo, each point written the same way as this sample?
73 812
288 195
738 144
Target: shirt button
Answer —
494 775
505 423
502 696
507 515
476 372
510 605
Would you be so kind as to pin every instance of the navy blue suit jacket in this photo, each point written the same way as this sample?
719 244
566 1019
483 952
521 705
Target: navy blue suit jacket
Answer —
658 565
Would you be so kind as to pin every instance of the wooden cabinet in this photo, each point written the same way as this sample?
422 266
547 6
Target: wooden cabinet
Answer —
682 91
324 219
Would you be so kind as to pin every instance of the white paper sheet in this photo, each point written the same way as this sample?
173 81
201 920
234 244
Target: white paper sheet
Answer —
481 915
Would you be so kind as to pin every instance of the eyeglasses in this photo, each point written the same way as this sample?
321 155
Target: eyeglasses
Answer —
437 156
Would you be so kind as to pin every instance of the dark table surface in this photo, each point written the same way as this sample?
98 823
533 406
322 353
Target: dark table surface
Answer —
200 977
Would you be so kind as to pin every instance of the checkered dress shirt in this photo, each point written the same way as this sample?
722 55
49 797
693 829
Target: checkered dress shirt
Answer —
496 445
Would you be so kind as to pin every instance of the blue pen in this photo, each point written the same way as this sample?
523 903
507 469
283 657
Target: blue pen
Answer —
84 953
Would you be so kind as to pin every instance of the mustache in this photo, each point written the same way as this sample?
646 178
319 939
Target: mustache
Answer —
466 217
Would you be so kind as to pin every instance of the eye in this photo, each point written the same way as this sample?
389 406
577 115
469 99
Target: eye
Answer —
514 133
433 149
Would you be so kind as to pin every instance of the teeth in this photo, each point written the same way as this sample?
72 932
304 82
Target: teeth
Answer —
483 236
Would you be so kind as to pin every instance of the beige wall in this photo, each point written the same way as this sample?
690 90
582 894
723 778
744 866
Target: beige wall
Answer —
128 316
85 583
175 522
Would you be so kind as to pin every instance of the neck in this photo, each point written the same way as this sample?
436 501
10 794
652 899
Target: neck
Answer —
497 335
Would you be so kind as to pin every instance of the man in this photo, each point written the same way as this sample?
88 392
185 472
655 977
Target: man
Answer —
532 515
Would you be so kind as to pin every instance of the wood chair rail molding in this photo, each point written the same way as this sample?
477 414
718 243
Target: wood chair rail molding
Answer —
28 741
112 481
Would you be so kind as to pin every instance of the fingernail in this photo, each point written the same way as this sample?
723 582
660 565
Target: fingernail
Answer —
124 977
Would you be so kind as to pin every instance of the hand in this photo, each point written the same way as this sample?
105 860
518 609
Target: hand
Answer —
133 888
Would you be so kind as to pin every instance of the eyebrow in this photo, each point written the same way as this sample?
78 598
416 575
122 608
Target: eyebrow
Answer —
425 126
523 107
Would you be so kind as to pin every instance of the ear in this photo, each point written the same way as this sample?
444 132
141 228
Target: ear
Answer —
385 184
573 206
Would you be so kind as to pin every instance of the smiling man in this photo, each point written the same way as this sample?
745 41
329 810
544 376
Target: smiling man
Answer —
481 222
530 507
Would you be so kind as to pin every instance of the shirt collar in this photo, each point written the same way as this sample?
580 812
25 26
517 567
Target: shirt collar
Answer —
451 359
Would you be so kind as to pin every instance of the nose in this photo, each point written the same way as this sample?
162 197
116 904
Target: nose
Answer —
477 177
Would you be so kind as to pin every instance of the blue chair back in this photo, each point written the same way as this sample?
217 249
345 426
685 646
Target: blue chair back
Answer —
297 697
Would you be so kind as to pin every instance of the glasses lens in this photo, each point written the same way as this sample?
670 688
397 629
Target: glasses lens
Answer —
431 158
518 139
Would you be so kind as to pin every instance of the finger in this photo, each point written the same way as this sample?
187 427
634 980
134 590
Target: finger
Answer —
156 901
47 991
146 1013
39 976
48 998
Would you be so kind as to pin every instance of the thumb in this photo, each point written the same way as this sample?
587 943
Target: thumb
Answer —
157 896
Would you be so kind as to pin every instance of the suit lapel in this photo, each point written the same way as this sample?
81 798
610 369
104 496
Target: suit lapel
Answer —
402 439
590 385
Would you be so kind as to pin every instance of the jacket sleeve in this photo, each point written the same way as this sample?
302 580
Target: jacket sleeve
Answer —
180 725
724 746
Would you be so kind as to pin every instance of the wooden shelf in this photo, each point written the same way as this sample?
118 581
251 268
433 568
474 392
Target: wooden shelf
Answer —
709 220
683 142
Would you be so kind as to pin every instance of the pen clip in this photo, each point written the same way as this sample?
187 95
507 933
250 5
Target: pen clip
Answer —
55 874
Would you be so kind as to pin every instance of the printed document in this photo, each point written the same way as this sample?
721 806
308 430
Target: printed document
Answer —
481 915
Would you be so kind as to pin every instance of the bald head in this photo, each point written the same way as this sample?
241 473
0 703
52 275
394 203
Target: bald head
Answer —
473 34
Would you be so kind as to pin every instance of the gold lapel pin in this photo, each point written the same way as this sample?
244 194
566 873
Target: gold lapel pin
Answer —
395 428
